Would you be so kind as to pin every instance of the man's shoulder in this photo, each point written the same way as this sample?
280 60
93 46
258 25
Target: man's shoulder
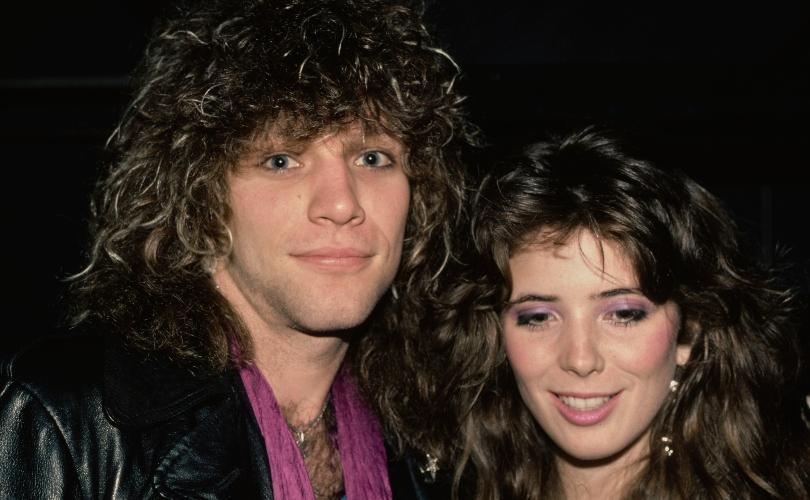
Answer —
63 430
60 360
60 374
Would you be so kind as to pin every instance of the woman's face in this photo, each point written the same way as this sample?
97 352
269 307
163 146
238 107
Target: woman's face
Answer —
592 356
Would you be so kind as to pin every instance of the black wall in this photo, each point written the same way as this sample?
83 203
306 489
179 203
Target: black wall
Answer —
718 91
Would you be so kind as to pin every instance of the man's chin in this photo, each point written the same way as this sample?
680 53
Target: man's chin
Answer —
339 325
325 311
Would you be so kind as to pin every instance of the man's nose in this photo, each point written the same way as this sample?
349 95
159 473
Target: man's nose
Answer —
580 351
335 194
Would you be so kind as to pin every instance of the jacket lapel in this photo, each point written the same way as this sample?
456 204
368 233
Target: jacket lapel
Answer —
198 428
145 389
200 433
217 458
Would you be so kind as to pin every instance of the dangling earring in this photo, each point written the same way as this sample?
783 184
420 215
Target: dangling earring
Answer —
668 449
430 468
394 292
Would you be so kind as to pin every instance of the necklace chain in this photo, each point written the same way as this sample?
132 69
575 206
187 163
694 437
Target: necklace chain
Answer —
300 434
304 445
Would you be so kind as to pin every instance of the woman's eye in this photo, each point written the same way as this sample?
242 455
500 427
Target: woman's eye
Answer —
535 318
627 316
280 162
374 159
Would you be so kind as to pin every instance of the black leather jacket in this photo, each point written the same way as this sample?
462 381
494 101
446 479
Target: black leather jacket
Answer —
79 419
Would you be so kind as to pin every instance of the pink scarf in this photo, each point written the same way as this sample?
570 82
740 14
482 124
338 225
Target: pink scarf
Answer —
359 441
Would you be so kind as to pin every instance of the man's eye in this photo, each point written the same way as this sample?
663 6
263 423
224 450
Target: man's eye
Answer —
374 159
280 162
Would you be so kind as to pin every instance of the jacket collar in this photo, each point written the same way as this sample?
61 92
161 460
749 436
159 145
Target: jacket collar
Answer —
211 444
208 443
141 389
221 456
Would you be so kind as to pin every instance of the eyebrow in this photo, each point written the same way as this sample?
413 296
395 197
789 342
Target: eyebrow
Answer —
352 143
613 292
363 142
532 298
272 144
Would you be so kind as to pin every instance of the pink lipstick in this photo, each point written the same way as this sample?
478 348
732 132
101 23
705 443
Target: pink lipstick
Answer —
585 409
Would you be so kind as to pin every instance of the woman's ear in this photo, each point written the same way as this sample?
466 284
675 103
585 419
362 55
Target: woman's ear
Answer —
690 330
682 353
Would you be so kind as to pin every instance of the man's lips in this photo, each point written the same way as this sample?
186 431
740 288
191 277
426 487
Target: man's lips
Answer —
335 257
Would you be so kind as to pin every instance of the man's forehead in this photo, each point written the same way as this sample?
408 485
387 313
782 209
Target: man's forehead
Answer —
355 133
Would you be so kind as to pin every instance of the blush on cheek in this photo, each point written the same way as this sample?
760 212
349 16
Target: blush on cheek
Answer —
656 351
520 355
513 350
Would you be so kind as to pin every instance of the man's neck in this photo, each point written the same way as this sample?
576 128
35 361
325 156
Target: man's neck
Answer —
300 367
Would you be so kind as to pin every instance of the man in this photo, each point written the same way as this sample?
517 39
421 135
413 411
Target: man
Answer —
265 243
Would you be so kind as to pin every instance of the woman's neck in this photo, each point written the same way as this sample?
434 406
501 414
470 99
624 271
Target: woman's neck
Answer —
607 478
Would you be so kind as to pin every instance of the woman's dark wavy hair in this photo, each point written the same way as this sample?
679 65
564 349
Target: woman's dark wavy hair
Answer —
215 76
735 422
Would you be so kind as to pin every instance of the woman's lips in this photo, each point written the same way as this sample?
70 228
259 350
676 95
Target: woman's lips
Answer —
585 409
583 404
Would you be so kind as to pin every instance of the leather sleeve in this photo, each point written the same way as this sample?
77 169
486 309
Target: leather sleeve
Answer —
35 461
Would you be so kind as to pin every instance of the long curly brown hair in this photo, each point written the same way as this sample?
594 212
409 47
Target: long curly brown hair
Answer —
215 75
738 422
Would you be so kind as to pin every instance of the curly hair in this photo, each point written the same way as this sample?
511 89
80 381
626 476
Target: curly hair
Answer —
218 73
738 420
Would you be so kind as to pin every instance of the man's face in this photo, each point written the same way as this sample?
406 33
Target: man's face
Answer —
317 228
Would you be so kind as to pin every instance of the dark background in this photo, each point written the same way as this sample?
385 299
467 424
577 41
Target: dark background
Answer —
720 91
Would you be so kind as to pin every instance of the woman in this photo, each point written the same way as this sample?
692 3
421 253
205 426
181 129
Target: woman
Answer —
624 346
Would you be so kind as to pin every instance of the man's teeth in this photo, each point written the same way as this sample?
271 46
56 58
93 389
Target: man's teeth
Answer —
584 403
